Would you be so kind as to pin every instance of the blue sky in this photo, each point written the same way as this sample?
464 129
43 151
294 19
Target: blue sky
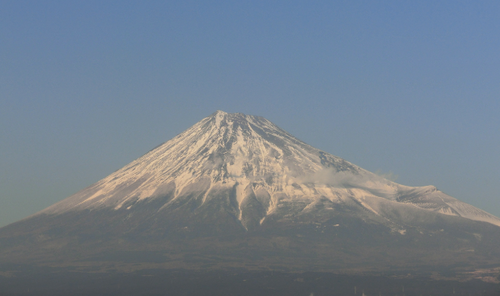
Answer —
403 87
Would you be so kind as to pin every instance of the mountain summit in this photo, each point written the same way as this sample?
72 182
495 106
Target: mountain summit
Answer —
237 190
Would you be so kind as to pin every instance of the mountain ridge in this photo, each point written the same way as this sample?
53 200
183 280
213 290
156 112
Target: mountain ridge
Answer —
236 191
241 150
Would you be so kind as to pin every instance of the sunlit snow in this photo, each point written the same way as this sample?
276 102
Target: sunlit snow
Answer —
254 156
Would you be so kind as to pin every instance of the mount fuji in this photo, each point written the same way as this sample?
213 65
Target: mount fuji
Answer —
237 191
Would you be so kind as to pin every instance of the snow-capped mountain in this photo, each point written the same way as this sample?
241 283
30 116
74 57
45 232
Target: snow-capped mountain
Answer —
263 165
241 176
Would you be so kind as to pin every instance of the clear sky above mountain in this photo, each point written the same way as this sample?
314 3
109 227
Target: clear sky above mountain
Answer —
404 88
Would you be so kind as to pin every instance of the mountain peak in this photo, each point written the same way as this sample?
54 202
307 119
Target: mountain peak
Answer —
233 160
239 182
221 119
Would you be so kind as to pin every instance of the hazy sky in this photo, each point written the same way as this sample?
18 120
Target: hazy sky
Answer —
404 87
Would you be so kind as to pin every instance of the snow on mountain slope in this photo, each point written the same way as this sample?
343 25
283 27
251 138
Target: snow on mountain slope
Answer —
264 165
